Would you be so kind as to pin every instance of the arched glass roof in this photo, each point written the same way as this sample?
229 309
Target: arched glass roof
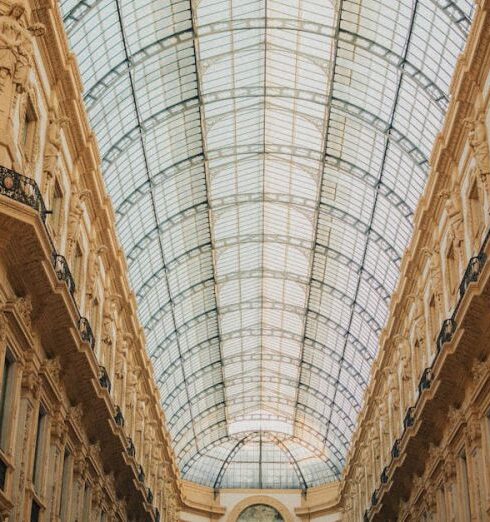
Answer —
264 159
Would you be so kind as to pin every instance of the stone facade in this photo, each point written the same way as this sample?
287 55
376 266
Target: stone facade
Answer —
421 451
82 433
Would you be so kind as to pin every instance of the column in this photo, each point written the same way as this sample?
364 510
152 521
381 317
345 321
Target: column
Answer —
25 437
55 464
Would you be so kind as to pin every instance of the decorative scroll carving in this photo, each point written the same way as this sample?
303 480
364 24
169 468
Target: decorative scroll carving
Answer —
30 377
3 327
24 307
52 367
58 427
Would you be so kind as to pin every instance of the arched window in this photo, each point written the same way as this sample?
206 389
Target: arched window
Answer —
260 513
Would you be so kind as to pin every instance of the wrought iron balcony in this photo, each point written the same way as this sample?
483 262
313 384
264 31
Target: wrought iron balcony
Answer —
395 450
63 272
104 380
472 272
22 189
425 380
130 447
149 496
141 473
446 333
409 418
384 476
86 331
118 417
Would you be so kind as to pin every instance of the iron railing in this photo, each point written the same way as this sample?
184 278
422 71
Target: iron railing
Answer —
25 190
448 329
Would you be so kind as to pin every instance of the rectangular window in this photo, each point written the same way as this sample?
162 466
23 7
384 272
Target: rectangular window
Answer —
475 209
78 266
451 267
441 504
65 486
86 503
35 511
434 318
28 135
56 208
39 449
5 403
464 501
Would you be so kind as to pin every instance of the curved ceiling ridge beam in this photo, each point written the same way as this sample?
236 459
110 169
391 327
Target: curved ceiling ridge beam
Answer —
197 251
370 119
318 452
253 379
384 127
332 161
312 343
203 370
119 71
457 16
184 451
329 289
334 468
419 77
164 175
195 288
336 212
268 357
292 461
229 458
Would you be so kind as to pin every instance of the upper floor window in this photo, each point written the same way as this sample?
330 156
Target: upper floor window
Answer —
65 486
5 398
28 131
78 266
37 469
56 217
475 209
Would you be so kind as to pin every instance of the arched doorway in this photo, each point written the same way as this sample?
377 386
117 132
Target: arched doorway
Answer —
260 508
260 513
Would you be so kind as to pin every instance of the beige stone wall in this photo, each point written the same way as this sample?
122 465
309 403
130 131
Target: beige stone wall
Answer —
203 504
421 450
70 333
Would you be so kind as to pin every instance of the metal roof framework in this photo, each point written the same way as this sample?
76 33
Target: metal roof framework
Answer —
264 159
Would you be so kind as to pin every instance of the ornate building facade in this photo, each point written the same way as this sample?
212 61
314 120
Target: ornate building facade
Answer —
82 433
422 446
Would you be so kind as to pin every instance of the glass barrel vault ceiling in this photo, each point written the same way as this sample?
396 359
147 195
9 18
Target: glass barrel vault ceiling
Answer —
264 159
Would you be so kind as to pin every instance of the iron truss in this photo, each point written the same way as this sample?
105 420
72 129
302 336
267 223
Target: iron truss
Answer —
264 164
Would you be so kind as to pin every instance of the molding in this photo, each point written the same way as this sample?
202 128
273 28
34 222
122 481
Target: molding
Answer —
260 499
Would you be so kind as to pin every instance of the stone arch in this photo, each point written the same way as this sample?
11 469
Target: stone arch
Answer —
260 499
